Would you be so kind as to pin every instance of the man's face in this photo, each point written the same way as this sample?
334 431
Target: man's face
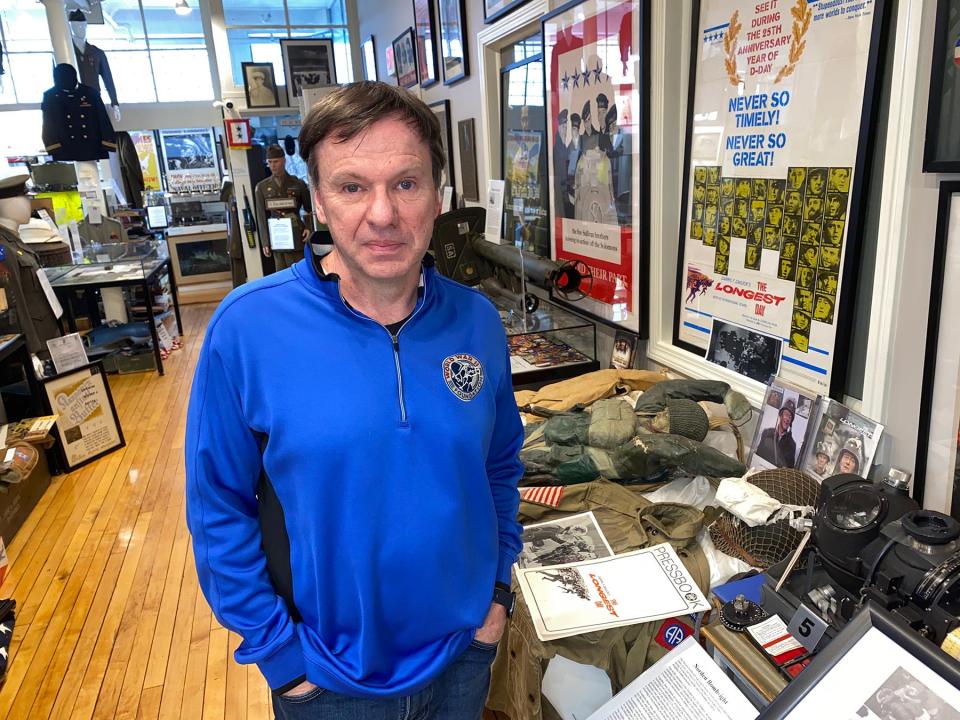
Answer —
276 166
816 182
785 418
563 129
822 460
847 463
377 196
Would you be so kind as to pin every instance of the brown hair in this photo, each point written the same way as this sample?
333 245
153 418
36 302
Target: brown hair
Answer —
353 108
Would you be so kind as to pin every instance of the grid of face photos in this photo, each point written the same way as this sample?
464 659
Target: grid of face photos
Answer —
802 218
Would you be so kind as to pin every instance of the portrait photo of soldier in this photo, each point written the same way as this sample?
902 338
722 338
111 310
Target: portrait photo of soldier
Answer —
752 260
709 237
799 341
803 299
827 283
839 180
721 264
823 309
755 234
723 247
713 175
743 188
791 226
700 175
713 194
738 227
816 182
771 237
696 230
786 269
774 216
829 258
699 193
813 208
810 233
836 207
789 249
808 258
743 208
775 191
726 187
724 225
728 206
801 321
793 204
834 233
710 216
796 176
758 210
698 211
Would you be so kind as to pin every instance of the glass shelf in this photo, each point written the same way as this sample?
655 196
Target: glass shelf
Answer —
111 263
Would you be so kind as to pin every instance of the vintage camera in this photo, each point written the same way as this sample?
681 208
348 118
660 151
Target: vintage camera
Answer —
870 541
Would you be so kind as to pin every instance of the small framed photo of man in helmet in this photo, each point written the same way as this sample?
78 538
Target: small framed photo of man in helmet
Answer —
844 442
782 427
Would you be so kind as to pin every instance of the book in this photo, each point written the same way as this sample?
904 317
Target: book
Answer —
844 441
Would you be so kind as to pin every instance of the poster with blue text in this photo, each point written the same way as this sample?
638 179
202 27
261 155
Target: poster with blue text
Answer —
779 91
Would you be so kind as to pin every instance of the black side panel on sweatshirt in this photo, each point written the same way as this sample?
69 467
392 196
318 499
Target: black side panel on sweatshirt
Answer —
276 541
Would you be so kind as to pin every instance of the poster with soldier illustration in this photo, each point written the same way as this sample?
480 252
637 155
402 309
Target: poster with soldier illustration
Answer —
592 68
775 134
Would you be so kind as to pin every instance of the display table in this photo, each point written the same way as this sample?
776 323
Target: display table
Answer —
139 265
201 261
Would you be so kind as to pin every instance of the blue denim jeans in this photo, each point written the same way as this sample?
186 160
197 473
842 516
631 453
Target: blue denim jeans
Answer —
458 693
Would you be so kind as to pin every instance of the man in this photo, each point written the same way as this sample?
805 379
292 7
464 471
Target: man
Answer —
352 443
836 206
819 467
281 197
560 152
816 181
260 94
796 177
839 180
850 457
794 203
777 445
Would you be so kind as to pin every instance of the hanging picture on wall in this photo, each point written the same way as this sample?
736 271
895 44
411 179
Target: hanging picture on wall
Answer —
453 49
426 50
190 160
259 85
466 134
368 54
495 9
405 59
596 135
941 152
442 110
307 63
771 210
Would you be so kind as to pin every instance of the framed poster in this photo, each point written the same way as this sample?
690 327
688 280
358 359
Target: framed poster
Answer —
441 109
391 64
88 426
495 9
453 49
772 202
941 149
426 51
405 59
307 63
190 160
594 67
260 85
146 144
938 435
467 137
876 667
368 54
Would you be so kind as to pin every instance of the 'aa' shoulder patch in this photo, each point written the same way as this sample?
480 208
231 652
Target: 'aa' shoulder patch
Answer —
463 375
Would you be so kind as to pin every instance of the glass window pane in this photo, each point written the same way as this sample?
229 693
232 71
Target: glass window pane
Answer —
341 49
165 26
122 27
7 95
261 45
24 26
526 48
131 75
32 75
21 132
182 74
254 12
316 12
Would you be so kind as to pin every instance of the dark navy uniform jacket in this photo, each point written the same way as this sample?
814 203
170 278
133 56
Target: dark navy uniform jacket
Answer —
75 124
93 65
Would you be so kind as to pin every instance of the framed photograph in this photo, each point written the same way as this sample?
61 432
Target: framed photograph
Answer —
259 85
624 350
876 667
405 58
368 54
441 109
594 60
773 208
842 441
745 351
937 477
782 428
941 149
426 43
190 159
495 9
87 426
307 63
453 50
467 136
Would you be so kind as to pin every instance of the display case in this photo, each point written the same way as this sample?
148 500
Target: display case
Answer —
547 344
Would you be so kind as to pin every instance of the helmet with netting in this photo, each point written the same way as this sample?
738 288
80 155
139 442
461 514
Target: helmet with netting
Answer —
766 545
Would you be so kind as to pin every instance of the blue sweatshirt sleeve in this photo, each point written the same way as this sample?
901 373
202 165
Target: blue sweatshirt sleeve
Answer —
504 471
223 464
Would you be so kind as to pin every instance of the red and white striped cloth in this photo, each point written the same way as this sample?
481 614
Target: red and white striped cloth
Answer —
546 495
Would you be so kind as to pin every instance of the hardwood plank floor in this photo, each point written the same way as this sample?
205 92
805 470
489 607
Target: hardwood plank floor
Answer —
110 619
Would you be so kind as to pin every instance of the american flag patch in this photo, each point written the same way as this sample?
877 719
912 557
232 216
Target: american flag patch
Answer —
549 495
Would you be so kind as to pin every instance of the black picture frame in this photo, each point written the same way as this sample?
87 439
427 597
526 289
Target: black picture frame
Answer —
944 81
405 58
452 26
623 352
266 71
368 58
844 318
495 9
91 369
424 23
305 63
870 617
467 140
441 109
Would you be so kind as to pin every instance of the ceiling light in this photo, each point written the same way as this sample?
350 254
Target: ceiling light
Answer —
182 8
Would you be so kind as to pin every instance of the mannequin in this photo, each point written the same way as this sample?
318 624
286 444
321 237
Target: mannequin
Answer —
75 122
92 61
24 307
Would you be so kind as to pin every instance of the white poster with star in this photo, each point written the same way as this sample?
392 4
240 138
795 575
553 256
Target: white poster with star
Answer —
592 68
781 93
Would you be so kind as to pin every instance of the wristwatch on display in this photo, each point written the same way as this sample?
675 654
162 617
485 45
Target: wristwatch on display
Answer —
503 596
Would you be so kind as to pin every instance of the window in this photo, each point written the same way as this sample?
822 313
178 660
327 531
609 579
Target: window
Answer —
28 59
255 27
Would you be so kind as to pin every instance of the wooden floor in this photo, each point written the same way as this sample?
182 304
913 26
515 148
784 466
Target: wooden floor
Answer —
110 621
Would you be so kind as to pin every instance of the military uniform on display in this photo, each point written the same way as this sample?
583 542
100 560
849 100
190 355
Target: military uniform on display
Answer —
75 122
23 304
283 197
93 65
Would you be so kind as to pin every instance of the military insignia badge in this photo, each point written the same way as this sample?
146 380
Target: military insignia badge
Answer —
463 375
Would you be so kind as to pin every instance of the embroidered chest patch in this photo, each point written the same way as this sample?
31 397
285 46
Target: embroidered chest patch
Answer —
463 375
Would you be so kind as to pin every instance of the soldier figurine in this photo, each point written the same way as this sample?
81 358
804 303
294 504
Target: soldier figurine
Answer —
282 196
